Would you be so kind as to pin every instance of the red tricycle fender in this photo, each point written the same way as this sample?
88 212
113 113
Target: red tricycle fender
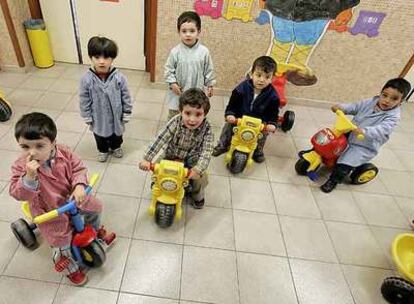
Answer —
84 238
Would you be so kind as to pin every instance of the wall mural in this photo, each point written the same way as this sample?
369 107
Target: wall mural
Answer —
296 27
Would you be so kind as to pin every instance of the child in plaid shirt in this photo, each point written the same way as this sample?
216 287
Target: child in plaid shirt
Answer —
187 137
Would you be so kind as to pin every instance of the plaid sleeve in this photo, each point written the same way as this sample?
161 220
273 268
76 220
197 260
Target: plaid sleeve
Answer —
206 151
163 137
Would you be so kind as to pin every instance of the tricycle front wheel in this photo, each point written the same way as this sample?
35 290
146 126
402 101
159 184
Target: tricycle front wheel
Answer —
93 255
397 291
164 215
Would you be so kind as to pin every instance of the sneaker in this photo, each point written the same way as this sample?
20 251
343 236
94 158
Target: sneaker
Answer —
258 157
118 153
103 157
78 278
328 186
218 151
108 238
197 204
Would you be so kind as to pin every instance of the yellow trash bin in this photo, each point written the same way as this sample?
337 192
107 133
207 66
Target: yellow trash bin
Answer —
39 43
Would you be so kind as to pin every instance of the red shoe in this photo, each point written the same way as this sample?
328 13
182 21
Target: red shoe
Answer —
108 238
62 264
78 278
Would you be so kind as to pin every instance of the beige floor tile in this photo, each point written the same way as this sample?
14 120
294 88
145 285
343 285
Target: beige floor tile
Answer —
86 148
209 227
7 159
123 180
365 283
380 210
71 121
8 245
356 245
218 167
258 233
406 158
320 283
385 237
387 159
209 275
218 192
73 295
150 95
133 152
147 111
54 101
398 183
73 104
252 195
22 291
282 170
264 279
338 205
109 275
295 200
25 97
18 111
13 80
374 186
10 207
216 118
407 206
281 145
8 142
37 83
153 269
301 143
141 129
255 171
70 139
53 72
35 265
119 213
147 229
126 298
95 167
65 86
74 72
304 128
216 103
307 238
54 114
400 140
4 129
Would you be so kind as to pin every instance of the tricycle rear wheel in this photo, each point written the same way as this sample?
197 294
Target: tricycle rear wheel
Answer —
397 291
288 121
24 234
364 174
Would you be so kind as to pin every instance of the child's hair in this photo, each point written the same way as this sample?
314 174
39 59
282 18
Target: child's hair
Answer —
265 63
189 16
102 46
400 84
35 126
195 98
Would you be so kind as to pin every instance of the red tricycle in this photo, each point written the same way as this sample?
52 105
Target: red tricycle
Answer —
328 144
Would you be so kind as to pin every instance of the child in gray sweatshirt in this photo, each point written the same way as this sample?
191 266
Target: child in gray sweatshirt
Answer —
105 102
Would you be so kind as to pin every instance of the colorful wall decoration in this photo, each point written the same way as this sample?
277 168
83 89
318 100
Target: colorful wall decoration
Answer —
239 9
211 8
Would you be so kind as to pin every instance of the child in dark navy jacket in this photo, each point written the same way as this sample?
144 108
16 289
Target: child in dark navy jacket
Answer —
255 97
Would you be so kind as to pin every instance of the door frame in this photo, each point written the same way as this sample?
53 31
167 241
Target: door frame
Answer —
150 39
408 66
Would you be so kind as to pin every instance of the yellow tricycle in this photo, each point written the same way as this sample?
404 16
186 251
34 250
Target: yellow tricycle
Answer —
169 180
398 290
246 133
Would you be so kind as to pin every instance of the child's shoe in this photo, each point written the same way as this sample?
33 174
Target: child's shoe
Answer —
78 278
328 186
118 153
259 157
108 238
197 204
103 157
217 151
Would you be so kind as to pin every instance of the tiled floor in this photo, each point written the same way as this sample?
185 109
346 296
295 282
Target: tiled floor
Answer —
266 236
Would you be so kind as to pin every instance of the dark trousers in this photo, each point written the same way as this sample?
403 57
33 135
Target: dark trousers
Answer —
104 143
340 172
226 134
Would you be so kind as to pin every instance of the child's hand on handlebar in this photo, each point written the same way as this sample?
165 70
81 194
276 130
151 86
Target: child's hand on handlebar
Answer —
231 119
270 128
194 175
79 195
145 165
335 108
359 132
